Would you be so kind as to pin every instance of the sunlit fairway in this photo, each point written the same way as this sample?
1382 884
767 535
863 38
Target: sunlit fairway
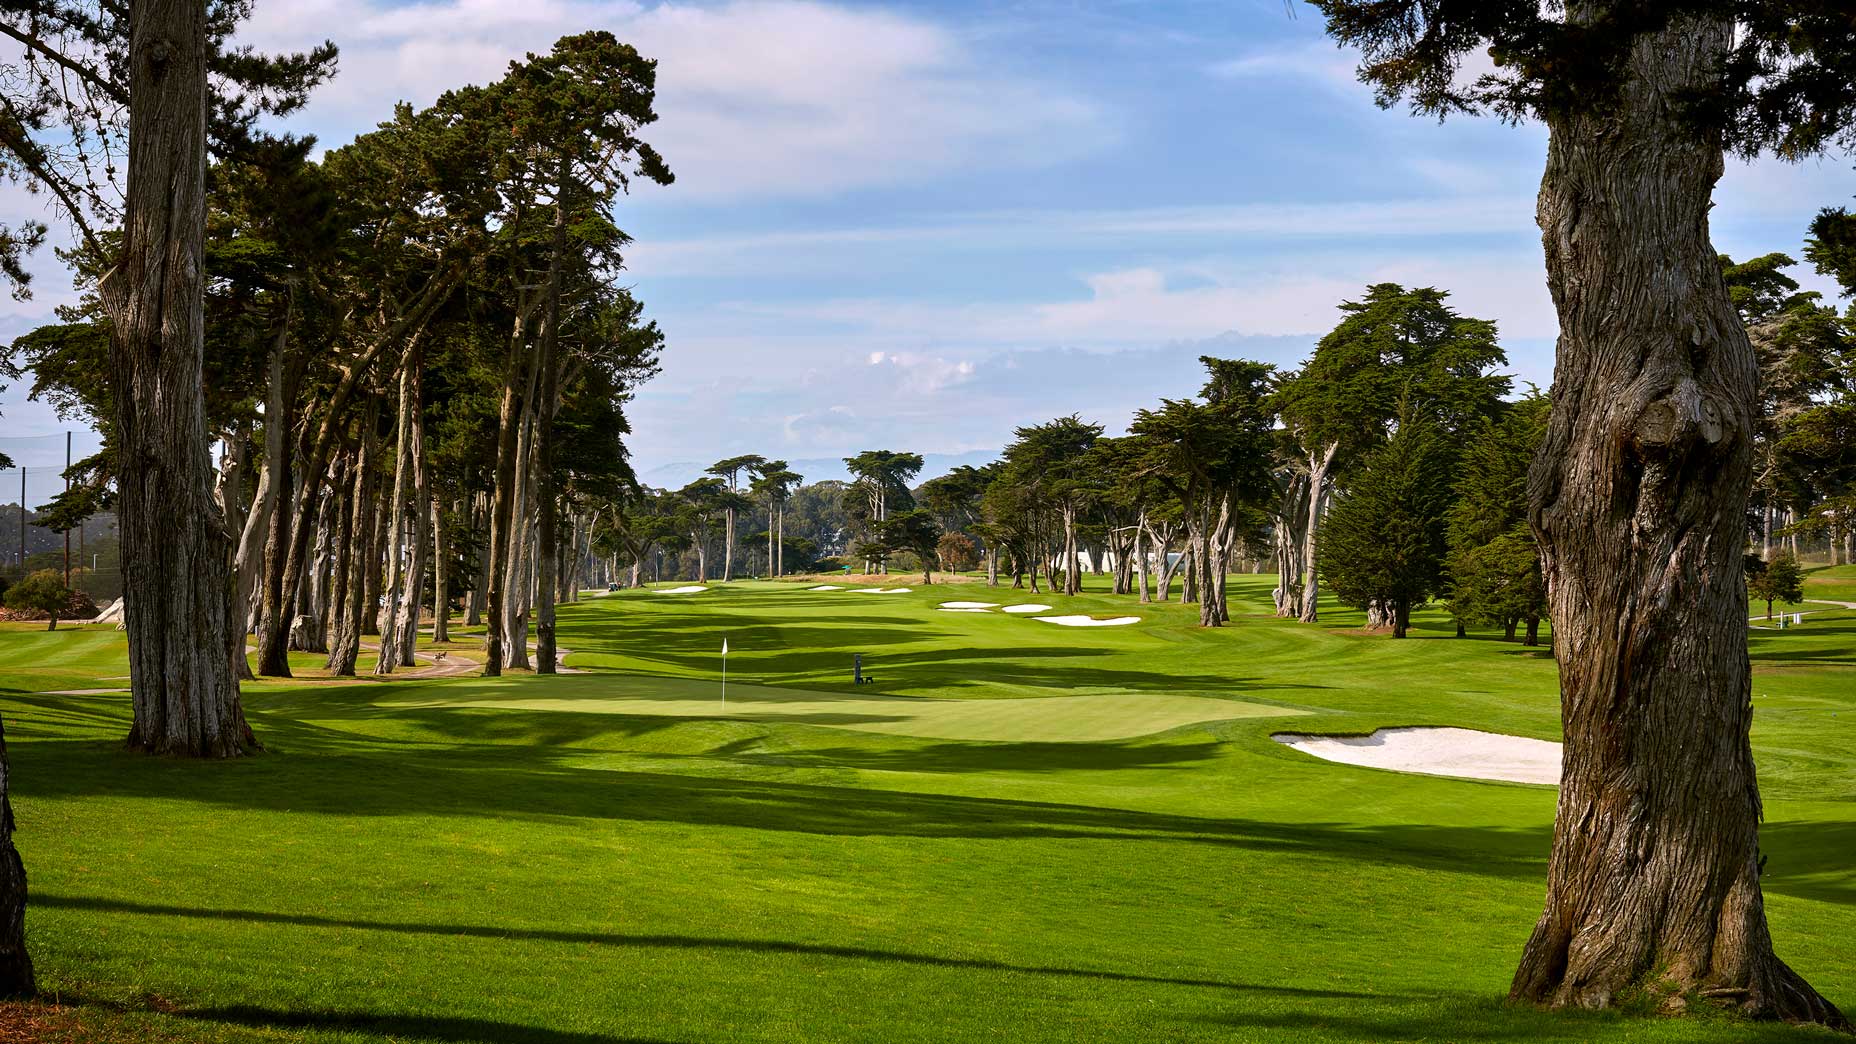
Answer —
1085 717
1018 832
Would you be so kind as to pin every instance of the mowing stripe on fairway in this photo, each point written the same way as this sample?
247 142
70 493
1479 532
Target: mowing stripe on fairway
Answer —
1084 718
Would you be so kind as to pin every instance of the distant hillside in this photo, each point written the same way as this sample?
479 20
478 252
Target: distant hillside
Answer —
682 473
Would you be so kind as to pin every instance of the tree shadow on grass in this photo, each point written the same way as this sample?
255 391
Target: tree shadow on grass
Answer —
1810 859
700 633
440 1029
671 942
515 782
1491 1021
958 757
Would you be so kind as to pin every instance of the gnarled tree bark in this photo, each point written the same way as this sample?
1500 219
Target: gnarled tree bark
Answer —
16 978
175 549
1639 497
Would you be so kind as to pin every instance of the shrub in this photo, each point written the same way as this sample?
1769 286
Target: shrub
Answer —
42 592
958 552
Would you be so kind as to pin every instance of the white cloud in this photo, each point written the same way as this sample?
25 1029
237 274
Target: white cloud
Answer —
824 427
1146 228
1330 66
787 98
923 374
1141 306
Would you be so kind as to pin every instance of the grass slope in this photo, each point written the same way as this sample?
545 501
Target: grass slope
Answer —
1020 832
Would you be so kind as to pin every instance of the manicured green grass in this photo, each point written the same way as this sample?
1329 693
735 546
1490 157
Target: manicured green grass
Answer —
1019 832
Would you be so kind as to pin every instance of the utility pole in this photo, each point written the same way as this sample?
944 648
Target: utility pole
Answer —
67 490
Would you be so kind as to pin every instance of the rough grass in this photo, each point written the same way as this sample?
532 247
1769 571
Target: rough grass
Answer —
592 859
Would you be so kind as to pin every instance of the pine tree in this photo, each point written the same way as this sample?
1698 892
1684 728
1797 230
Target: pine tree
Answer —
1494 564
1385 537
1781 580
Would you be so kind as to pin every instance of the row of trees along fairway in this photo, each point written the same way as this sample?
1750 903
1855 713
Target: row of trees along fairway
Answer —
410 343
415 340
420 358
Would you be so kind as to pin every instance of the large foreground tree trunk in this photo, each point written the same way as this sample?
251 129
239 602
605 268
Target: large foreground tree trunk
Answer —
15 963
1639 498
175 550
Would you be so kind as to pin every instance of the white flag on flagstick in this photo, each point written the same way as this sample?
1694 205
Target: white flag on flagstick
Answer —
724 647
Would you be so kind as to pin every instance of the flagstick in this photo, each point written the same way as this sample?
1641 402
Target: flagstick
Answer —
724 676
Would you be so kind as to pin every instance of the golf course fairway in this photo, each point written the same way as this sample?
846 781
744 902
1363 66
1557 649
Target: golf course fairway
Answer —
1015 832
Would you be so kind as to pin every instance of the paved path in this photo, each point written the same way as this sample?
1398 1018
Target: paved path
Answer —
1807 612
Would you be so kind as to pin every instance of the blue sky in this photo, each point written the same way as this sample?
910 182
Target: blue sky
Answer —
918 225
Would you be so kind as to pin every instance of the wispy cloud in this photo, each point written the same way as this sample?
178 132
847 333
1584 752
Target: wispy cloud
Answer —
1473 215
787 98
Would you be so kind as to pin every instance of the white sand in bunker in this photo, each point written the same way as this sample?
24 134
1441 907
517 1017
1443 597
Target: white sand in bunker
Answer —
1028 607
969 605
882 590
690 589
1089 621
1439 752
947 610
825 587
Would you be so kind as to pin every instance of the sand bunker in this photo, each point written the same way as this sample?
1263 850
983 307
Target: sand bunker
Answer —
959 610
1028 607
1089 621
825 587
691 589
969 605
882 590
1439 752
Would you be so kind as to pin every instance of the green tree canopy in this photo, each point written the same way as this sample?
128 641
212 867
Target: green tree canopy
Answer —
1386 535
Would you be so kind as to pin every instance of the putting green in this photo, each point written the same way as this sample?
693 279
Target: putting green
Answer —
1084 718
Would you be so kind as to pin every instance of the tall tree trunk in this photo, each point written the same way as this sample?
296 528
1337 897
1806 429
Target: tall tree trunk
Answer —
345 644
728 542
1163 547
375 545
413 595
546 493
1289 523
16 979
1072 565
503 499
481 514
1639 498
1140 558
308 633
1318 466
520 565
175 554
273 631
526 567
230 496
250 564
395 560
441 588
